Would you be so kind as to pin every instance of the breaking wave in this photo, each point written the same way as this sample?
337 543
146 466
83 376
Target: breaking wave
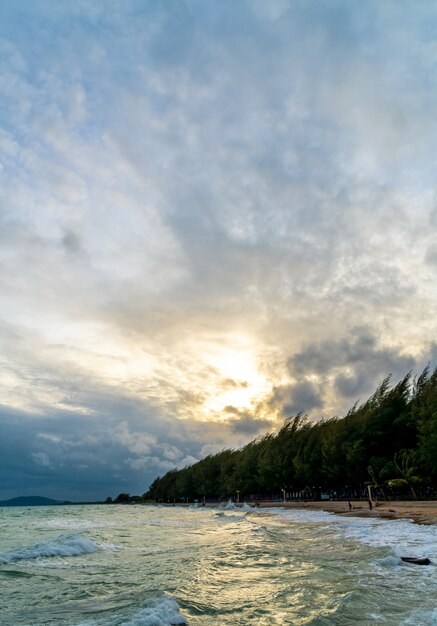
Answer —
401 536
159 612
63 546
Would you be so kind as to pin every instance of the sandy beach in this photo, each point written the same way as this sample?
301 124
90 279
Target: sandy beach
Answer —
420 512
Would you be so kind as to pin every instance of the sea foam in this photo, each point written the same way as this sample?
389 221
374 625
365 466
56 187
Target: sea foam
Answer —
72 524
162 611
63 546
403 537
230 505
419 617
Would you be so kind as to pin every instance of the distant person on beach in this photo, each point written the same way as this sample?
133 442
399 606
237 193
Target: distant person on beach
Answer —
350 505
370 504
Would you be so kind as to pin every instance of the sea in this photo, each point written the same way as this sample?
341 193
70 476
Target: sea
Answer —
113 565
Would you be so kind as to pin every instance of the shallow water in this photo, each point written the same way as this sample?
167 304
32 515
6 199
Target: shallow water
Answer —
155 566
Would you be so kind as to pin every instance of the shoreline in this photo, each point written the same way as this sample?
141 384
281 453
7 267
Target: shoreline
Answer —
419 512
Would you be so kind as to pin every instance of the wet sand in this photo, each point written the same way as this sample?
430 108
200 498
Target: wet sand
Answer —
420 512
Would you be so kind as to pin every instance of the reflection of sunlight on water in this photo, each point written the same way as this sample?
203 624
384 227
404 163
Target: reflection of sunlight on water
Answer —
256 573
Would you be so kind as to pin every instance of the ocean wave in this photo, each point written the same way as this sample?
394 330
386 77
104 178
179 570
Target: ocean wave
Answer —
78 524
229 505
301 515
226 517
159 612
419 617
403 537
63 546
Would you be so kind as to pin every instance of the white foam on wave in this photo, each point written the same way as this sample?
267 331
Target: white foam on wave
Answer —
403 537
301 515
84 524
233 517
421 618
63 546
230 505
174 523
159 612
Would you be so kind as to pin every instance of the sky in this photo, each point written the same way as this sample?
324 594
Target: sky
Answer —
214 214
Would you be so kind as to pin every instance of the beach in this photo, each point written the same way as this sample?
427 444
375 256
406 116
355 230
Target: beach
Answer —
420 511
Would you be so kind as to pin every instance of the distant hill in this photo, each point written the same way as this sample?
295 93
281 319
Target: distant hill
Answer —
30 501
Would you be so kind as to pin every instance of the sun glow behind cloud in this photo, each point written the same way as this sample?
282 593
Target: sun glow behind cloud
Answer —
239 385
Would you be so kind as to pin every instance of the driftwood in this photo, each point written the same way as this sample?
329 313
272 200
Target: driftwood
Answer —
415 561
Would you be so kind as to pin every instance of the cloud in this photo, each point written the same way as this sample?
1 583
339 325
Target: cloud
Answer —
359 348
122 445
242 421
431 255
138 443
204 207
300 397
41 458
352 366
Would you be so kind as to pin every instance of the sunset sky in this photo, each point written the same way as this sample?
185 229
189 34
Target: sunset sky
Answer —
213 214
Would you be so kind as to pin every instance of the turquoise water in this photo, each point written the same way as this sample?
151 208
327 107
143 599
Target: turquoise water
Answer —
156 566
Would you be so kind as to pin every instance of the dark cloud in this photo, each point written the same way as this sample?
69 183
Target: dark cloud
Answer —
230 383
432 359
122 445
431 255
300 397
360 347
353 385
353 365
66 455
243 422
249 426
306 396
71 242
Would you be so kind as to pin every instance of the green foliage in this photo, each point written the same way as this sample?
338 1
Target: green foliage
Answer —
424 414
379 470
405 465
391 438
122 498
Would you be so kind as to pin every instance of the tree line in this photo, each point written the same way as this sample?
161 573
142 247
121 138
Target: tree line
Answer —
389 442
